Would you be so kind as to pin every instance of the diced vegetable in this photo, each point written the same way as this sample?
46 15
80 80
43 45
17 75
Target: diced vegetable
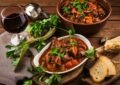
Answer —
74 62
68 65
74 50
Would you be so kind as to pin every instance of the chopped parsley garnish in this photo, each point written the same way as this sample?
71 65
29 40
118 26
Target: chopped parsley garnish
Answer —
55 52
66 9
90 53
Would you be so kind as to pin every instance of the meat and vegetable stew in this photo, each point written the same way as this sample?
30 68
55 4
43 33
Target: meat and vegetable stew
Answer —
63 54
83 11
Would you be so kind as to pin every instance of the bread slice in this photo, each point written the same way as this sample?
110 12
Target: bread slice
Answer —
102 68
112 45
99 71
109 64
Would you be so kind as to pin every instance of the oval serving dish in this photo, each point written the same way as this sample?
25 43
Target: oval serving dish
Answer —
39 55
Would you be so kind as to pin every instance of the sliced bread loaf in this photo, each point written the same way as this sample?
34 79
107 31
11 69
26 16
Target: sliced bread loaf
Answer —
110 65
99 71
102 68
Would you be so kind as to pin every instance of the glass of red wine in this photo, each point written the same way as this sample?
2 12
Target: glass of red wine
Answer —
14 20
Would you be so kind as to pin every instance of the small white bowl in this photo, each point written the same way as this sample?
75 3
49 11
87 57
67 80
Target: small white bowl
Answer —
37 57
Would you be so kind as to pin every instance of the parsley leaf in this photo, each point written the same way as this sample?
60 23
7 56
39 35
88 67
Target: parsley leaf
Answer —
71 31
39 45
72 43
54 51
80 6
38 28
66 9
36 70
28 82
53 80
17 52
61 54
90 53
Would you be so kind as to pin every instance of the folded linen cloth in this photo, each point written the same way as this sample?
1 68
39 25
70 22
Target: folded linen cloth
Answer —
7 74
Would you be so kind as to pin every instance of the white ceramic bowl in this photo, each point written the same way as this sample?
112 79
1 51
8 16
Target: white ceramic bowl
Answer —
37 57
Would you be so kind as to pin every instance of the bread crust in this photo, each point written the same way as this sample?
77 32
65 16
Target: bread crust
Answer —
99 71
102 69
113 45
110 65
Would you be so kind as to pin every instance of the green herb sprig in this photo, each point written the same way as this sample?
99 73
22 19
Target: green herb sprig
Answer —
36 70
37 28
55 52
71 31
17 52
66 9
90 53
80 6
53 80
28 82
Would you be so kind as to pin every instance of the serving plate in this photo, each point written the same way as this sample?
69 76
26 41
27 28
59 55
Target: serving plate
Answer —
37 57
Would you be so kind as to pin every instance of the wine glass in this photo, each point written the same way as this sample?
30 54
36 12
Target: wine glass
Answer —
14 21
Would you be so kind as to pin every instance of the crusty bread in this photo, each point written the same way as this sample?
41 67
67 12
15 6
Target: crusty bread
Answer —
102 68
112 45
110 65
99 71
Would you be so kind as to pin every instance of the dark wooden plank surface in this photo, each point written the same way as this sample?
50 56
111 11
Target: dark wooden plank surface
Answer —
45 2
111 29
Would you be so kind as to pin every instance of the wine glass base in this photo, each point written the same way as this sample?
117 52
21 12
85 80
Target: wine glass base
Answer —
15 40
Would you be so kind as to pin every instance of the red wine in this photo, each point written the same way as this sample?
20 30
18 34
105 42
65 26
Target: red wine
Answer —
15 23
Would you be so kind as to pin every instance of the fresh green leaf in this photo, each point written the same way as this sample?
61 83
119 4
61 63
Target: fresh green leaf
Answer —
15 61
80 6
54 51
61 54
9 46
39 45
16 52
28 82
90 53
53 80
54 20
39 28
71 31
66 9
36 70
72 43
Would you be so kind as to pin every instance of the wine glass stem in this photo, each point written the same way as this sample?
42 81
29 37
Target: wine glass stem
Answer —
15 40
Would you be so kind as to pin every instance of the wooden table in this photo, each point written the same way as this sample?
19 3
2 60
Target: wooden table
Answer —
111 29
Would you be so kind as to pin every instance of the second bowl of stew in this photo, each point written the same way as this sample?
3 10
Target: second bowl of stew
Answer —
86 16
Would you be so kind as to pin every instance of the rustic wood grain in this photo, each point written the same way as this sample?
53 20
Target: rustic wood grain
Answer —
111 29
24 2
114 2
45 2
115 13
